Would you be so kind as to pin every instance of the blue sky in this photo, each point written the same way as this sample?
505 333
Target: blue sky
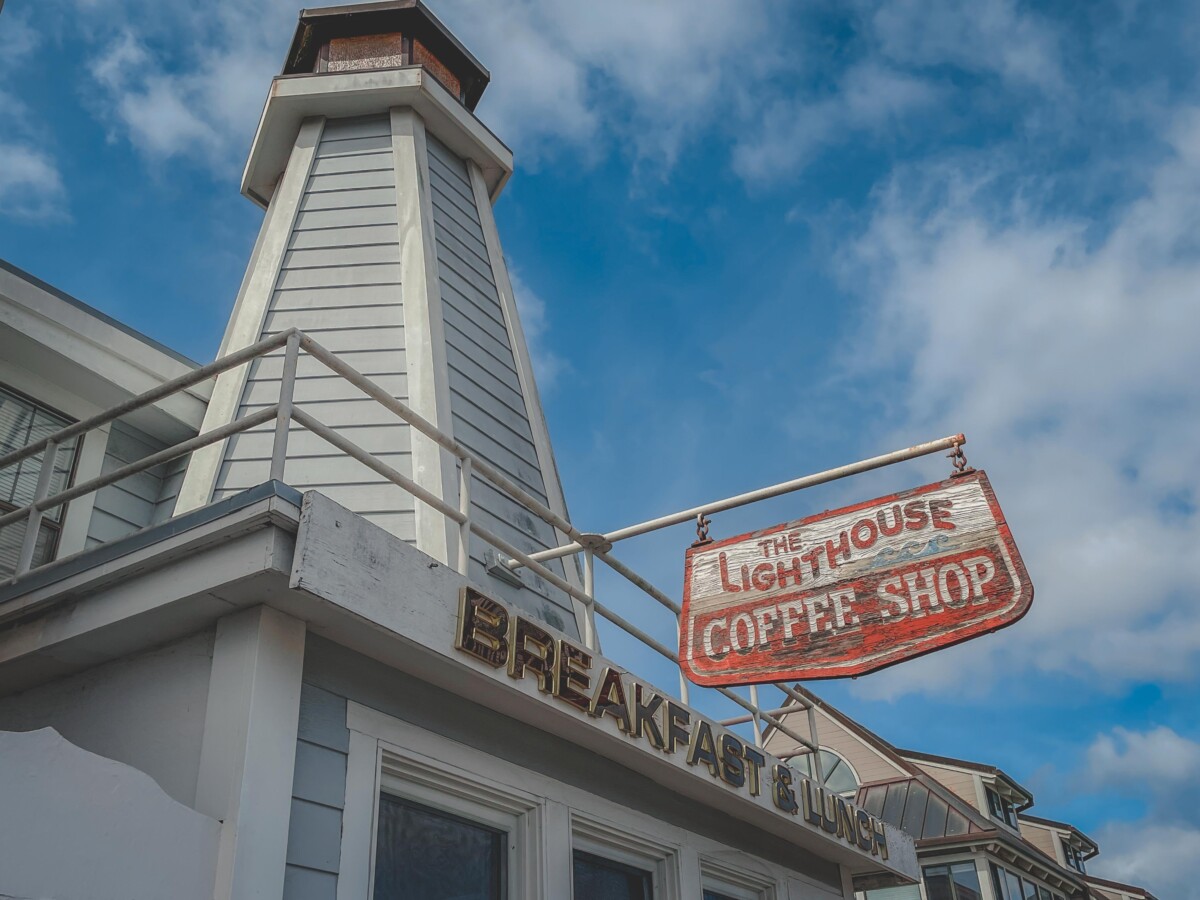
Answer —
754 240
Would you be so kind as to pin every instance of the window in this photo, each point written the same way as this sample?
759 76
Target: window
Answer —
1001 808
1010 886
424 854
838 775
23 421
1073 856
956 881
597 878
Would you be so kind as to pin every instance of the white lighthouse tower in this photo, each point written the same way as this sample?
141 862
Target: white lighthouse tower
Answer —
379 242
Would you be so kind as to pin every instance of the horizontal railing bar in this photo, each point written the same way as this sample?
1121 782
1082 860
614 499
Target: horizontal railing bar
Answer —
352 449
145 399
638 581
742 720
775 490
367 386
534 561
148 462
771 720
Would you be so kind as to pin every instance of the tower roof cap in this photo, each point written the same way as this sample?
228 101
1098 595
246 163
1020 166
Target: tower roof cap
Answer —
326 39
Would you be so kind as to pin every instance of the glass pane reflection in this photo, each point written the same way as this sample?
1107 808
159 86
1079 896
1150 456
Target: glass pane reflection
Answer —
424 854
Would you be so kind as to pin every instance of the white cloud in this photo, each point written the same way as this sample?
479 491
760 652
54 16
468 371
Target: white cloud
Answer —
644 76
870 99
1161 767
1160 759
548 366
1161 858
30 184
992 36
1070 362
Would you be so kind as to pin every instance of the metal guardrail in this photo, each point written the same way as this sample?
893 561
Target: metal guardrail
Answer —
591 546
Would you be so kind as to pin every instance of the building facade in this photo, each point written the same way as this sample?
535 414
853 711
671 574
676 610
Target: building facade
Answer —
292 624
975 839
288 624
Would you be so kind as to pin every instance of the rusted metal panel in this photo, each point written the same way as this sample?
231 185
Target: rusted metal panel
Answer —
854 590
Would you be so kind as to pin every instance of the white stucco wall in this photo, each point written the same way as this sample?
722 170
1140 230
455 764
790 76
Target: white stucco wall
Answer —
146 711
76 826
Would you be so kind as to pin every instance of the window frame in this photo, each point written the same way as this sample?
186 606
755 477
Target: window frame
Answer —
858 782
56 526
734 882
505 825
598 837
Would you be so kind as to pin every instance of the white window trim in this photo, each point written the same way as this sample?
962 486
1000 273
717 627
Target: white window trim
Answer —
386 753
735 882
378 763
621 844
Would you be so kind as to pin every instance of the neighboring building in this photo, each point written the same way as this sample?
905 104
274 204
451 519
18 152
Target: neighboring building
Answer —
287 654
974 839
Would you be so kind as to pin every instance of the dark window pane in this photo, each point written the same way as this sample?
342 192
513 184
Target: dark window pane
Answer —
1014 886
1031 891
893 806
935 817
914 809
597 878
1043 893
1000 884
966 881
956 823
713 895
873 801
424 854
937 883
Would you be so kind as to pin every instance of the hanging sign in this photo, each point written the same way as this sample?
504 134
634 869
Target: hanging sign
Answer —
854 590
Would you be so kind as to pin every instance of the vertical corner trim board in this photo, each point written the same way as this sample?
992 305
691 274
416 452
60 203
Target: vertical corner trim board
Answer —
249 311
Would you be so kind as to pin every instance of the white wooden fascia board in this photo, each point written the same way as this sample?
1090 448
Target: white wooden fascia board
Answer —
127 377
525 375
424 331
70 321
250 312
111 576
295 97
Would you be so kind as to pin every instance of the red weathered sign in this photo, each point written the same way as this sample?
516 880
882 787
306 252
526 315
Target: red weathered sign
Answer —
850 591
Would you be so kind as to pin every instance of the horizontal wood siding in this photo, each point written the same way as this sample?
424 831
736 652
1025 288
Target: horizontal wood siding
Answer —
340 283
960 783
318 797
139 500
870 764
487 407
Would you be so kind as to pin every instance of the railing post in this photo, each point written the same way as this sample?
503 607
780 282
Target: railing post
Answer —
287 393
758 738
464 507
589 588
34 522
817 774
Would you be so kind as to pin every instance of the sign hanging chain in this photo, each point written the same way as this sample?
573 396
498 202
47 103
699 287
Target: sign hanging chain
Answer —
702 537
959 460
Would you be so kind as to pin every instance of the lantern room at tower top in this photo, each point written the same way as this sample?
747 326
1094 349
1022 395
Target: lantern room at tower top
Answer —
385 35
